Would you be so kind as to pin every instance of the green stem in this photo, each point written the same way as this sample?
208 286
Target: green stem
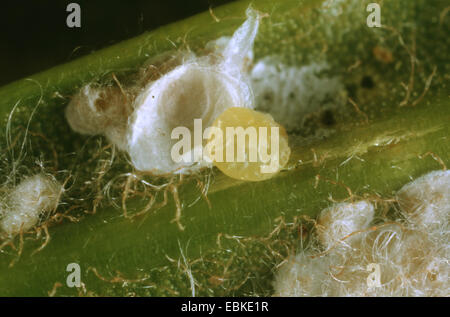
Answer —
371 159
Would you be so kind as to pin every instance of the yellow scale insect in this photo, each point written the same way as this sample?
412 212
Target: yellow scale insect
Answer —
255 146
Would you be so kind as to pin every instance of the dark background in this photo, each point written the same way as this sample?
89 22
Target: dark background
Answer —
35 37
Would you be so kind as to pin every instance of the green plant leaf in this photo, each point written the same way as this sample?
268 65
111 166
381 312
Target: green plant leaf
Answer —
374 147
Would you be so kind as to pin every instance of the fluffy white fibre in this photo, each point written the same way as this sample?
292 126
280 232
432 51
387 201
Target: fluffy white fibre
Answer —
100 110
302 275
337 222
35 197
426 201
290 93
411 261
200 88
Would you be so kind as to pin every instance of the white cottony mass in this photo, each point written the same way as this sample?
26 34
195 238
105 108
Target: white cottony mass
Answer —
200 88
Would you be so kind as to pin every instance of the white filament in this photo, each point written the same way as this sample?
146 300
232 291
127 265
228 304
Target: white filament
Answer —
200 88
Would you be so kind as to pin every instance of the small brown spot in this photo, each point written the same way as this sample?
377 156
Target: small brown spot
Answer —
432 276
383 54
216 280
101 104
